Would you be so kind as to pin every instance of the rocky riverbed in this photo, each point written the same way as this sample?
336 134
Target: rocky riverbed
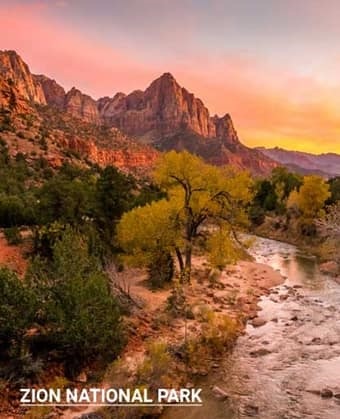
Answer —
287 365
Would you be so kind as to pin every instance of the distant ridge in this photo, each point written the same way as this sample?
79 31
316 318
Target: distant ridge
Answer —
326 164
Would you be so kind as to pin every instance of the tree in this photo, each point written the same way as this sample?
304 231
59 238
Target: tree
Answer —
15 311
113 197
334 185
198 195
78 315
311 197
113 194
286 181
265 195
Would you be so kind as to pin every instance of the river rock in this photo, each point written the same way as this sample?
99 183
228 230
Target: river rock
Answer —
330 268
82 377
260 352
251 410
258 322
220 393
316 341
326 393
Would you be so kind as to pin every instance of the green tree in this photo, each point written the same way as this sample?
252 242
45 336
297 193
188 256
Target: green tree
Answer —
78 314
334 186
16 311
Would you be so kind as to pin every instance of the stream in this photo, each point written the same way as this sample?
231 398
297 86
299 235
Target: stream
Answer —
278 370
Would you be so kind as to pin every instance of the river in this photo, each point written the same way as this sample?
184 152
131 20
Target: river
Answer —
277 370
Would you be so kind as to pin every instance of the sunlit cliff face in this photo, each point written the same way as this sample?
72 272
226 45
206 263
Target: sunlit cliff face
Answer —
275 71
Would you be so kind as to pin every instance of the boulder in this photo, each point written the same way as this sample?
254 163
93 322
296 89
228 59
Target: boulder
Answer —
258 322
330 268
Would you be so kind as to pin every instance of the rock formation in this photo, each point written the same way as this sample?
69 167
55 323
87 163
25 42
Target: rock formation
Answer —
16 73
54 93
165 116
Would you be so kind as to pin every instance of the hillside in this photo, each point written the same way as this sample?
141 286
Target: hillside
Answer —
125 130
326 165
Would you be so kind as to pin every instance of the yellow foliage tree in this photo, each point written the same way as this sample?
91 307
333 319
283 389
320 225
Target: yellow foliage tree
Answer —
311 197
198 194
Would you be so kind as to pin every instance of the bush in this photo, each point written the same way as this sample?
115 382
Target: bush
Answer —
16 316
161 270
307 227
219 332
153 372
256 215
13 235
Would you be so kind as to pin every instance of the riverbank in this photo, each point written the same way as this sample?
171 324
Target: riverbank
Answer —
217 309
318 245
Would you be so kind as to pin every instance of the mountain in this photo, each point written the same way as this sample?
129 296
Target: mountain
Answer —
66 131
163 117
326 165
13 68
167 116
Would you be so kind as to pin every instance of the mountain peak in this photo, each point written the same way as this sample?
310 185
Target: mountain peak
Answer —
12 67
165 115
167 76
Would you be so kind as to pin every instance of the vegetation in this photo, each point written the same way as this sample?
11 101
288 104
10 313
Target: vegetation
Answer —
311 197
198 195
67 305
82 219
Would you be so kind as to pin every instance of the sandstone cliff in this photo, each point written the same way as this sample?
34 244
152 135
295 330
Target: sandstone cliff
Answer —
16 72
53 92
164 108
165 116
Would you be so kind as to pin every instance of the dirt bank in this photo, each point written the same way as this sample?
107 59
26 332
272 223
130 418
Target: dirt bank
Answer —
235 293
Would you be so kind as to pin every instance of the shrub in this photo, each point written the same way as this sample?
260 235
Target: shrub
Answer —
153 372
256 215
307 227
219 332
161 269
16 316
13 235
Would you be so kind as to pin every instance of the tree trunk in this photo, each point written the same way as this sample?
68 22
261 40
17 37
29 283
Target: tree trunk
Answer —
180 260
187 268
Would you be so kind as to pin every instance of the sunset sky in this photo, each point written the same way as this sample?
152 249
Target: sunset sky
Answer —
274 65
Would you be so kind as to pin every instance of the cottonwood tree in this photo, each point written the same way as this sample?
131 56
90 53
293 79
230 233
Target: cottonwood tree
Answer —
199 195
311 197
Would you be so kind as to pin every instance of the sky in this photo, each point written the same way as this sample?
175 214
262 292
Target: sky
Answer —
273 65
